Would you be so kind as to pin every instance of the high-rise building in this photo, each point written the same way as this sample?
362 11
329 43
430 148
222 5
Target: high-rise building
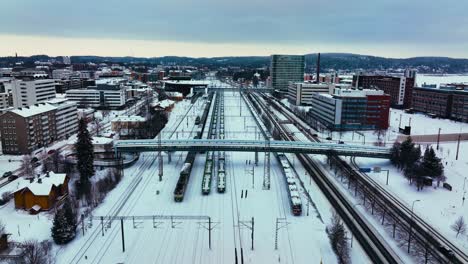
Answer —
285 69
29 92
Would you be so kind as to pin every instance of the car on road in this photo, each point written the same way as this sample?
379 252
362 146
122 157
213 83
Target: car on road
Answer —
328 138
340 142
12 178
7 174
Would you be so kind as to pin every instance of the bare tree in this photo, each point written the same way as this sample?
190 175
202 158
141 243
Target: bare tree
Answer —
459 226
57 161
2 228
26 167
97 126
36 252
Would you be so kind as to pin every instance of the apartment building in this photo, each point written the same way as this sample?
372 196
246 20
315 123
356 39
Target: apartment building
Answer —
66 117
26 129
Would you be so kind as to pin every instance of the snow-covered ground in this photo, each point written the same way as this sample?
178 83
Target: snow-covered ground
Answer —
302 241
438 205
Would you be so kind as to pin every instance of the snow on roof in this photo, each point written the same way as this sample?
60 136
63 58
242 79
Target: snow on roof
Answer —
33 110
164 103
130 118
41 186
188 82
102 140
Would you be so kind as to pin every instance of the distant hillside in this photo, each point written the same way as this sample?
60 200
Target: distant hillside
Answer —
329 61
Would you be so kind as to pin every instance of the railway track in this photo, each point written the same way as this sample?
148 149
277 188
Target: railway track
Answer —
374 245
440 247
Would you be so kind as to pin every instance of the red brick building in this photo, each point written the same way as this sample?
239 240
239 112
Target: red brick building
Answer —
400 88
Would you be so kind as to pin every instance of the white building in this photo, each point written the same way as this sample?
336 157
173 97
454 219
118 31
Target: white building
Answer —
300 93
31 92
62 74
66 117
98 97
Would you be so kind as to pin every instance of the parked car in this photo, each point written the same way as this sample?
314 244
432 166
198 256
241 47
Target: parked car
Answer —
314 135
7 174
328 138
340 142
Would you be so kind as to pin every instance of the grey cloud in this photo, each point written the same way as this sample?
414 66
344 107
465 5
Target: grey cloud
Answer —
242 21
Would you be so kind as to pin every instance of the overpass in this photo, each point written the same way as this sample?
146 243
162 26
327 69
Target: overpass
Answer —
201 145
232 89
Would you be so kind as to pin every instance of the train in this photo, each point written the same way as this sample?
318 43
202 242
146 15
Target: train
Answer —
209 163
184 176
292 188
221 154
207 173
221 172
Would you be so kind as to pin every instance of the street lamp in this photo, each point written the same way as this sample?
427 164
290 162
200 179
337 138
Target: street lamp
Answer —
411 224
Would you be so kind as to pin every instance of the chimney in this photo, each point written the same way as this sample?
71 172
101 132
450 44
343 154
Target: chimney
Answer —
318 69
39 180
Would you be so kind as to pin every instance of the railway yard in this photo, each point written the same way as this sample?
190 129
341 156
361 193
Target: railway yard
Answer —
172 224
246 207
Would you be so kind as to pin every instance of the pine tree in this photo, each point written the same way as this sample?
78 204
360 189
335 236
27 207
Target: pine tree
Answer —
69 214
395 154
409 154
85 155
62 231
431 164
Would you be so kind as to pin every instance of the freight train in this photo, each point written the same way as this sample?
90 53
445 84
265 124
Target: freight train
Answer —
290 180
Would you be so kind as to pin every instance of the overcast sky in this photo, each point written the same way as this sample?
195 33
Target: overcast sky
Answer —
391 28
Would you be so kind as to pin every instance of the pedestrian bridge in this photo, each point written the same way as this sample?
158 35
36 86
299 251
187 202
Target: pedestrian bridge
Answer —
201 145
232 89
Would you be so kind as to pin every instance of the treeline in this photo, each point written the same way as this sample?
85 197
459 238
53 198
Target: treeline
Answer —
406 156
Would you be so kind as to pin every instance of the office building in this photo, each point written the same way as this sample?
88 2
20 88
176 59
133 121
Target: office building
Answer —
285 69
448 101
400 88
102 95
300 93
29 92
348 109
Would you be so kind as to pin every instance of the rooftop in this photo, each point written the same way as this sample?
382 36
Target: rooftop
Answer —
42 185
130 118
33 110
